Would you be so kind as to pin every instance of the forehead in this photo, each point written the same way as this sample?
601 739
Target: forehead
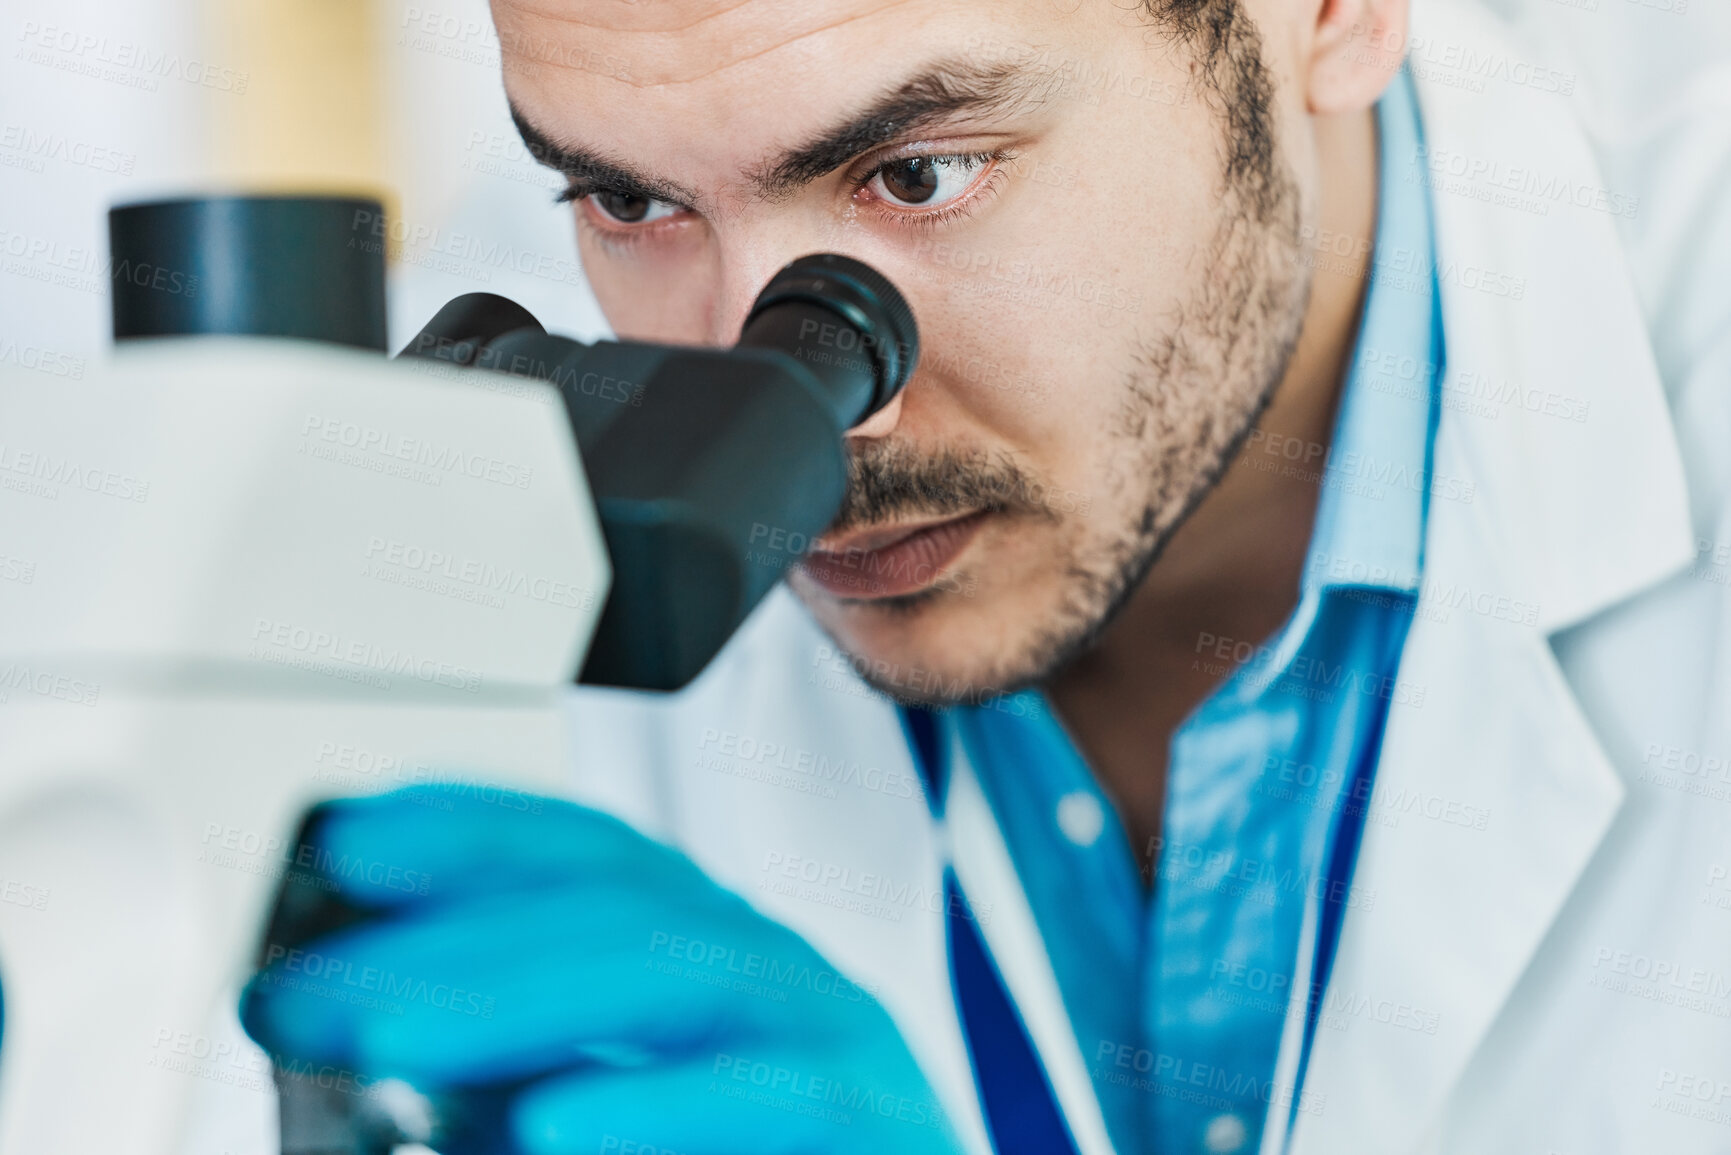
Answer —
697 87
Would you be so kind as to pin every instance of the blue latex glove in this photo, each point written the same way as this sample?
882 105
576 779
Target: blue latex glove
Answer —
584 988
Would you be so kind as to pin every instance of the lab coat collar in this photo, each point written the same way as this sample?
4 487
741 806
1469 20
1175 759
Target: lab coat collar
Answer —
988 877
1558 492
1372 534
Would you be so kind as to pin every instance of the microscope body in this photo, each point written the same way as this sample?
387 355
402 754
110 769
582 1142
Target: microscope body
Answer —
249 565
242 576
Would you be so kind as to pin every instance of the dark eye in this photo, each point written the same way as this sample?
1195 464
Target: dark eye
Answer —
631 210
926 181
913 180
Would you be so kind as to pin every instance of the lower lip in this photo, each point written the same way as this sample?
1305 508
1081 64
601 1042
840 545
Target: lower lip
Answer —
903 567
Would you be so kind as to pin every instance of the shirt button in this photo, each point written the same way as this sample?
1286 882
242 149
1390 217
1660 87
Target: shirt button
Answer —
1081 817
1225 1134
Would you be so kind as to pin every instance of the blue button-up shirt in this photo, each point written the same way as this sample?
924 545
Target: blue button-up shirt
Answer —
1195 1005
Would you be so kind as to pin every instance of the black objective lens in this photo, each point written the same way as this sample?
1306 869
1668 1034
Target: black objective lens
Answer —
311 267
712 470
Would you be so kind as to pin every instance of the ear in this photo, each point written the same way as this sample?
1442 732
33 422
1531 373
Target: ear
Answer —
1356 50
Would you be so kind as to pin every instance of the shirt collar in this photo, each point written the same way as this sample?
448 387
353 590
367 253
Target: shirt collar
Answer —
1370 519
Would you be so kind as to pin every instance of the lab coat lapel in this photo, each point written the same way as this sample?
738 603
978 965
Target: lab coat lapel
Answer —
1490 798
1557 492
987 876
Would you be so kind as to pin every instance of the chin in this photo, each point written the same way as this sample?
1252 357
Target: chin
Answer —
935 648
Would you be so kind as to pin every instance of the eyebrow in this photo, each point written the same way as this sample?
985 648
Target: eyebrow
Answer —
943 92
590 171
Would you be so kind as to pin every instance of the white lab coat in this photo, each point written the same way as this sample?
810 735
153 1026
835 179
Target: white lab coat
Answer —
1544 960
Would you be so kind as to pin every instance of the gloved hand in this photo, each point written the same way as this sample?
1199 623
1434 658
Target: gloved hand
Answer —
585 988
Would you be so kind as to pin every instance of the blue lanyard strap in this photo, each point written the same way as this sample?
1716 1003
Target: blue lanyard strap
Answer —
1021 1110
924 730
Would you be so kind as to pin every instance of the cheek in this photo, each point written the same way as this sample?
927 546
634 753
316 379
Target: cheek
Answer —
1025 381
1035 323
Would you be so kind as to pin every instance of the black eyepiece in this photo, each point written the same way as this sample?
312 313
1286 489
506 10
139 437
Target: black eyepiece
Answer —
705 464
467 325
845 322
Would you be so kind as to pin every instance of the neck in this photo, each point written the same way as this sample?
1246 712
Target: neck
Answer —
1231 571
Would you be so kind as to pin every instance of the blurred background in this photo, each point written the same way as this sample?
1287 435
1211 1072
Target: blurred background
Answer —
108 101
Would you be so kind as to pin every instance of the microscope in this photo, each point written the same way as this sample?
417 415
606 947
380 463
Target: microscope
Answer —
252 564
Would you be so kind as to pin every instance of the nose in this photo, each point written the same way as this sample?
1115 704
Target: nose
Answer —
879 424
745 260
740 283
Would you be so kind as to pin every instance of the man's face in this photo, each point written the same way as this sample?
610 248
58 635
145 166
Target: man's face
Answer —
1093 222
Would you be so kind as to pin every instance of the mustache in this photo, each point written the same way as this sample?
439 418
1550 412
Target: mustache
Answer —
888 480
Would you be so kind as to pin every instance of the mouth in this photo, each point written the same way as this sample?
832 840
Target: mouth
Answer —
890 561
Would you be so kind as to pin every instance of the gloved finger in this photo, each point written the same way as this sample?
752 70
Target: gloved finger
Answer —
766 1102
441 842
501 987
